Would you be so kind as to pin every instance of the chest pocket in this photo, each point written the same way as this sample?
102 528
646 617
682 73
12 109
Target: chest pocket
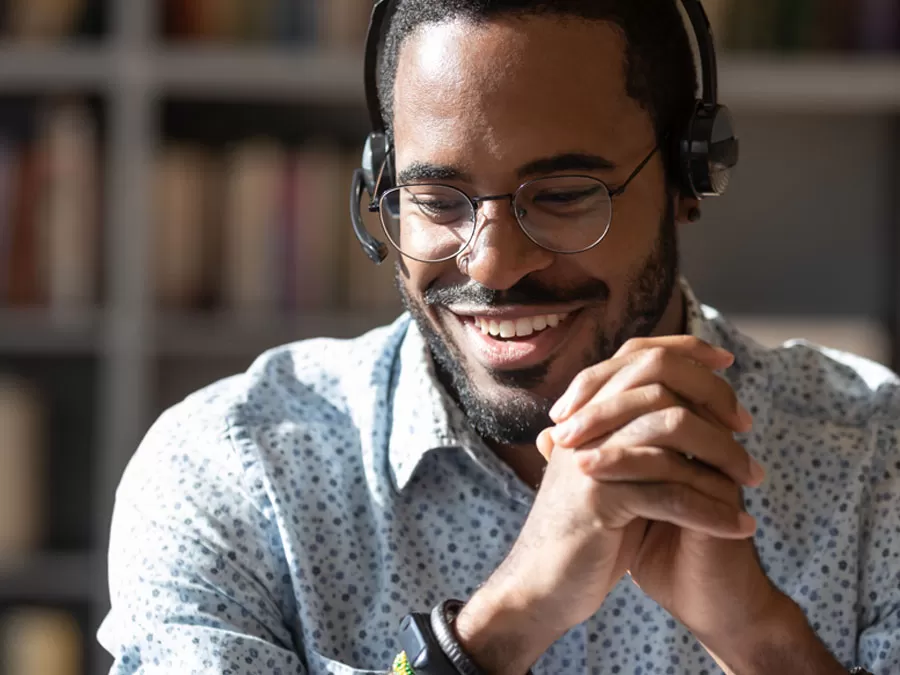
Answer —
320 665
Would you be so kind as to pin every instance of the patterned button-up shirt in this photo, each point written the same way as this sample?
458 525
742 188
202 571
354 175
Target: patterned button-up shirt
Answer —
283 521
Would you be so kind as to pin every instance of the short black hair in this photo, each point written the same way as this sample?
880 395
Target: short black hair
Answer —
661 74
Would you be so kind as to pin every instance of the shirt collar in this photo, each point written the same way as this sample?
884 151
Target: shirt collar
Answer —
426 419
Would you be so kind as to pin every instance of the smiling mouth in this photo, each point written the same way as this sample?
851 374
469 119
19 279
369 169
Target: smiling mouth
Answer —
508 329
514 343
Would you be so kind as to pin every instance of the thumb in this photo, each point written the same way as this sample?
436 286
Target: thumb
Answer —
545 444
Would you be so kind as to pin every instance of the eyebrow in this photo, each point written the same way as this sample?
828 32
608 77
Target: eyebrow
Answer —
570 161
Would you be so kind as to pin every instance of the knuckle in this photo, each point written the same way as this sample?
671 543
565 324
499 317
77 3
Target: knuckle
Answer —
658 395
674 419
656 357
696 344
631 345
674 499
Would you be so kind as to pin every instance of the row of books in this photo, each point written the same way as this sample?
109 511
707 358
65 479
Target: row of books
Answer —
339 23
48 20
40 641
21 468
806 25
50 209
261 229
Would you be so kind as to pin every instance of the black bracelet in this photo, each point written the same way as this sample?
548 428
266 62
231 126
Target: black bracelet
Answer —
442 618
859 670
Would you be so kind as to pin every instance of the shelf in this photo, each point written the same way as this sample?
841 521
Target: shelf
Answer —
35 68
858 335
198 335
299 74
817 83
43 332
848 83
51 577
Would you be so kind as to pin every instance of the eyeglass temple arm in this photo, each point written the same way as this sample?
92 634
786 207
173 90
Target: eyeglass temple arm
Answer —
634 174
374 205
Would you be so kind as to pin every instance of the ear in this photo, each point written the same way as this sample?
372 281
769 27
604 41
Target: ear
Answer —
687 210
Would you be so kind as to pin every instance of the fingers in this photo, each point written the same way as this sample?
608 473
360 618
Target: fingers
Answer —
681 430
657 465
683 377
673 503
589 381
600 416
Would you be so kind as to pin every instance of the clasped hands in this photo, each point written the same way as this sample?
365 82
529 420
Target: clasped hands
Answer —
645 477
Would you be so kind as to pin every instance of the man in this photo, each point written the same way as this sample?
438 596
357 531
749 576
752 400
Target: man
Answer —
557 434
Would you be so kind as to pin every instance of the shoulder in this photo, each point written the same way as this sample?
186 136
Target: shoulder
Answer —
812 381
312 386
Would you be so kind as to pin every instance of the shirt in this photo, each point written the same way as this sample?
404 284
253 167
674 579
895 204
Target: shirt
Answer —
284 520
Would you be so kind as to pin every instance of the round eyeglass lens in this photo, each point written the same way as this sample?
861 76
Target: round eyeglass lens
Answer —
430 223
565 214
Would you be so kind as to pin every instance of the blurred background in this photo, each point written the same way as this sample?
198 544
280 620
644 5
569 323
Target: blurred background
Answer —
173 200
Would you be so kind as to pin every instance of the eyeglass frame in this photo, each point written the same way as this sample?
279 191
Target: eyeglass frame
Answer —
475 202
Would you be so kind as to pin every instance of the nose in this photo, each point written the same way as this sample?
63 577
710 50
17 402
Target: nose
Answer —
500 254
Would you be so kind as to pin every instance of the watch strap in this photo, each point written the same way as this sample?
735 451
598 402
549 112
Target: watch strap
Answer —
442 618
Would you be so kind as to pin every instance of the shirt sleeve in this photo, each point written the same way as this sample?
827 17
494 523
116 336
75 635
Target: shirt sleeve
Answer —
198 579
878 647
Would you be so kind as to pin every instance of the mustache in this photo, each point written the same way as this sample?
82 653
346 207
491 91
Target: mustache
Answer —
526 292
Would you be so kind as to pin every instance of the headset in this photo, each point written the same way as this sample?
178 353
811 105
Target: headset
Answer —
706 149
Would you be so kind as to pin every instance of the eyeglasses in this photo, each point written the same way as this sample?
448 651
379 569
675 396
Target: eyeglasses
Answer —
563 214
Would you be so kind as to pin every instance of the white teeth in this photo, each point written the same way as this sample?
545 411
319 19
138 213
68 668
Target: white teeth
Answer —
523 327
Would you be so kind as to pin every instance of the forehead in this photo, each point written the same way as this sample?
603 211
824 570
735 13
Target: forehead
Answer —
513 89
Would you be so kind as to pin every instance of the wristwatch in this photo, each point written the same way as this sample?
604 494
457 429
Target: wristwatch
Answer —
421 647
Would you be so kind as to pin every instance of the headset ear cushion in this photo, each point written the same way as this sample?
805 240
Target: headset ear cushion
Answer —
709 150
681 155
373 158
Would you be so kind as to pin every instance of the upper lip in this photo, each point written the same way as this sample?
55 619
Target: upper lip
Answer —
510 313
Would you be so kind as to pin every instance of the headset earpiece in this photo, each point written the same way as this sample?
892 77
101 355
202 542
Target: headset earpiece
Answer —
707 151
377 155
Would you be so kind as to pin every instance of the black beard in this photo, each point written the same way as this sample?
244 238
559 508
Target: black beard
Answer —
517 418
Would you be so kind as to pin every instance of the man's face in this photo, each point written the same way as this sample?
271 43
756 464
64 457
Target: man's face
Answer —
475 104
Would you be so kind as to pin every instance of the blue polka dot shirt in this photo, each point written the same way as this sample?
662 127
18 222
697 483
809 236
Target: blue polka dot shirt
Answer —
283 521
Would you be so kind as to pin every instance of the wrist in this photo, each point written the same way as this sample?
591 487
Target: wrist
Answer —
502 632
780 636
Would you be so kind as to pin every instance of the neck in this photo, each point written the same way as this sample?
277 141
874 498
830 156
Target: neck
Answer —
526 461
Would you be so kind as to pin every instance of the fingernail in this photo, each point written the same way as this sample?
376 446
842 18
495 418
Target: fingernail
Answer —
560 408
562 433
724 353
757 473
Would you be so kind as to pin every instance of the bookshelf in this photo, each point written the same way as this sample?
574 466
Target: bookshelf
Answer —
138 352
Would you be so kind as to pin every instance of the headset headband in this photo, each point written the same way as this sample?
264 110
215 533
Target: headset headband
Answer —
384 8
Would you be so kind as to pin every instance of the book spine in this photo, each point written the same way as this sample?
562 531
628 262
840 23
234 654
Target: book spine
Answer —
879 25
180 190
50 20
25 266
41 641
21 468
8 182
255 172
70 207
289 261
